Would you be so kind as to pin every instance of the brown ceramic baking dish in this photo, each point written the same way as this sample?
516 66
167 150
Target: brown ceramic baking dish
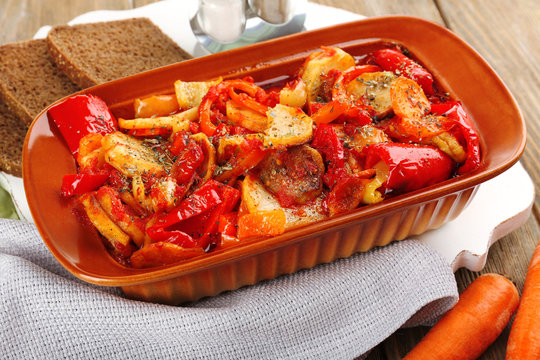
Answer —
457 68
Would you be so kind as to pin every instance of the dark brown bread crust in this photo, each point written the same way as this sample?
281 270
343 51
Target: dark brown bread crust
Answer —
29 79
95 53
12 133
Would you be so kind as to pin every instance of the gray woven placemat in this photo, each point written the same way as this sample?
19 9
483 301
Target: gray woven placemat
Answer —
334 311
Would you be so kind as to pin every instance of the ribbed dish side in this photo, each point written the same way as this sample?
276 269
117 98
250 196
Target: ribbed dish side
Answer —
309 252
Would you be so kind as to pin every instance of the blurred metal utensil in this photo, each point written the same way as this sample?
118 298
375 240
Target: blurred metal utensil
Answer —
274 11
226 24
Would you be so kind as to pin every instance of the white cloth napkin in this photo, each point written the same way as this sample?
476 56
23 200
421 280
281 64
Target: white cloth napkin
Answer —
339 310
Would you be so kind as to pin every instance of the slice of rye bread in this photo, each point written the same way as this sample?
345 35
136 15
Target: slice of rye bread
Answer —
95 53
12 133
29 79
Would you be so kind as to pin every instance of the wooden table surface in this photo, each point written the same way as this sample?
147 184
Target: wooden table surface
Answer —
507 35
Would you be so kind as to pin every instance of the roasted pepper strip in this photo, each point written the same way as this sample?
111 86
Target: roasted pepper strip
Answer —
157 131
393 60
342 103
185 166
326 141
203 227
247 155
203 199
176 237
346 195
410 167
157 105
226 88
80 115
464 129
81 183
247 100
228 224
230 197
228 229
205 108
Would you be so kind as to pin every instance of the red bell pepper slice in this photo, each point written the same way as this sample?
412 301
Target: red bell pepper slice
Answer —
248 102
179 142
185 166
251 153
346 195
326 141
410 166
464 129
80 115
157 131
228 224
230 198
254 98
228 230
394 60
176 237
204 227
205 108
204 198
79 184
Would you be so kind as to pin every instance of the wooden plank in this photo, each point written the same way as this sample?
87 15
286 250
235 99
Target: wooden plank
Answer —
20 19
425 9
139 3
508 37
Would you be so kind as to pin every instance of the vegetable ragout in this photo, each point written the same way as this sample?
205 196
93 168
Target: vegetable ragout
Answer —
225 160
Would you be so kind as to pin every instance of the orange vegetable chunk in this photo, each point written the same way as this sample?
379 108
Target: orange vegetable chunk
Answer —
408 99
157 105
262 223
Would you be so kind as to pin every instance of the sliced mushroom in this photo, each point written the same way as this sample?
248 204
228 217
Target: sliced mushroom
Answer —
294 176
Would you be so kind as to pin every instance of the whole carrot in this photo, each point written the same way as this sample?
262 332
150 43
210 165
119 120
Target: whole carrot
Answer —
480 315
524 340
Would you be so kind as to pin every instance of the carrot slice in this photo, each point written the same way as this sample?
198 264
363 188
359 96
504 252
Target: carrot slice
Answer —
419 130
408 99
524 340
480 315
329 112
262 223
